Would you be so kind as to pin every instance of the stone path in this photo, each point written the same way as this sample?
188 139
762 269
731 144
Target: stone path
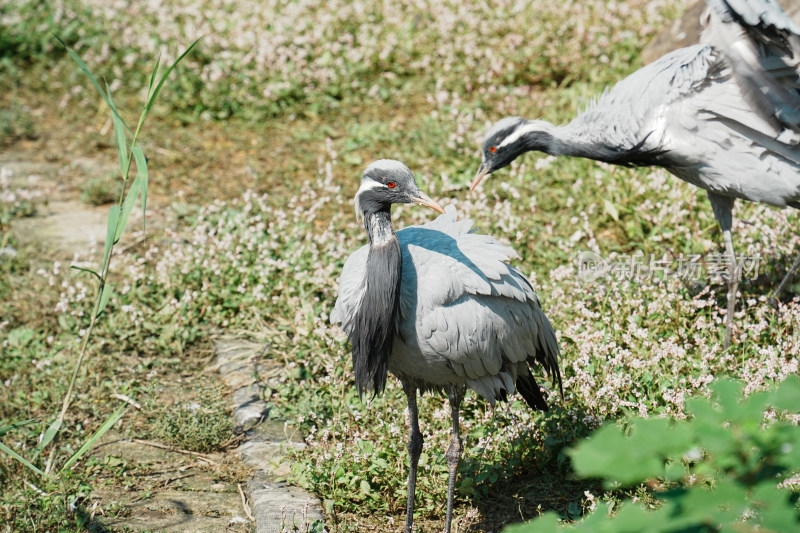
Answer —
185 497
276 505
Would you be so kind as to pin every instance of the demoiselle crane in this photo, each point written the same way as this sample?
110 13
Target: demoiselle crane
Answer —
440 308
723 116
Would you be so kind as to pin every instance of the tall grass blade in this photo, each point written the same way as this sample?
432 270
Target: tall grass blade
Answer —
89 270
111 231
119 135
5 429
143 175
152 96
163 79
127 205
91 77
108 424
105 296
122 146
11 453
48 436
153 76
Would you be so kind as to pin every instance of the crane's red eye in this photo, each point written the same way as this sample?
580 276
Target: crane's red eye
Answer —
493 149
391 185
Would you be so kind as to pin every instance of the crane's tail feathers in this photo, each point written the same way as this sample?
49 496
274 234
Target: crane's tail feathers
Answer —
530 391
547 352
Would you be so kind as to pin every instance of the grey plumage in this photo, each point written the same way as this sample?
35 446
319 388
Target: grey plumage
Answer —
464 318
723 115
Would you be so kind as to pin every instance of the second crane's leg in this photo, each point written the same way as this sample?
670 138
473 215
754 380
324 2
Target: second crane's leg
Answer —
723 212
453 455
414 450
787 277
733 287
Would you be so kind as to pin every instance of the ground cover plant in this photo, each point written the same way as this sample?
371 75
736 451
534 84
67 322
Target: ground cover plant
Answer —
732 466
260 205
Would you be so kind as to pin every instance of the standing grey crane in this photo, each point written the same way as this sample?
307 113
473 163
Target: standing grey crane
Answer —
440 308
723 116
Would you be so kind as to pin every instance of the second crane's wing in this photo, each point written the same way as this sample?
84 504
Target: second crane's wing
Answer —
630 115
463 302
762 46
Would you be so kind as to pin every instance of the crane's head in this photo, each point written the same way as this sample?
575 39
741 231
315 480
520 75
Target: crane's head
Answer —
386 182
507 139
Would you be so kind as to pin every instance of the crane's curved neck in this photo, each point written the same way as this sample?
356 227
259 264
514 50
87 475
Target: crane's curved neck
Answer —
571 139
545 137
372 333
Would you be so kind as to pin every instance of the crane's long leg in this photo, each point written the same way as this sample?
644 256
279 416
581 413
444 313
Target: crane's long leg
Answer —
453 454
723 212
733 287
414 450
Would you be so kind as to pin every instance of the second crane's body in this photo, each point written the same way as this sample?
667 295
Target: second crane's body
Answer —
723 116
683 112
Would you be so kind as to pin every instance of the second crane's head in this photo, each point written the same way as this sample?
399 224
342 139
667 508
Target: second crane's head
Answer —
509 138
386 182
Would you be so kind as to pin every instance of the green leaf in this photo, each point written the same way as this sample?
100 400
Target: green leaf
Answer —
727 393
611 210
122 146
143 176
153 76
91 77
108 424
546 523
697 505
633 518
598 455
105 296
127 207
88 270
151 96
11 453
777 512
659 436
786 396
628 460
20 337
111 231
48 436
675 470
14 425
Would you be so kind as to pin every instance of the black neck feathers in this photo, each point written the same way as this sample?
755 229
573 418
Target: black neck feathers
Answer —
373 326
544 137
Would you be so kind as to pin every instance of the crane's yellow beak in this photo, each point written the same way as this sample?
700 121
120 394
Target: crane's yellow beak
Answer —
427 201
482 173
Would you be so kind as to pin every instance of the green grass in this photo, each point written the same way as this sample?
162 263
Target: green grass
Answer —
259 221
201 422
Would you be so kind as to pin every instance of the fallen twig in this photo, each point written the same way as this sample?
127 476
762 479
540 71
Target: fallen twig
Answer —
201 456
244 503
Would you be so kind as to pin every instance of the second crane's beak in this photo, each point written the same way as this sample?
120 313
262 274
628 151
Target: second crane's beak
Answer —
482 173
424 199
